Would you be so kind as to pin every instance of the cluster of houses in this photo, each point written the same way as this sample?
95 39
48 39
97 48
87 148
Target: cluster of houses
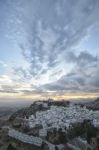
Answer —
62 117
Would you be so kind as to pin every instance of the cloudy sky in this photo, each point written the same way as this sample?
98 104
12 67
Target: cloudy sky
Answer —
49 48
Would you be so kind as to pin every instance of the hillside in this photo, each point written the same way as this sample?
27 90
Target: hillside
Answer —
49 125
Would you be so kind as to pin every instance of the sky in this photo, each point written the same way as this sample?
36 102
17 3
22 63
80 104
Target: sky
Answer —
49 49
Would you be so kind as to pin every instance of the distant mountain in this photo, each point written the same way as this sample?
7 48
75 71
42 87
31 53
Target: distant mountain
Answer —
97 100
94 105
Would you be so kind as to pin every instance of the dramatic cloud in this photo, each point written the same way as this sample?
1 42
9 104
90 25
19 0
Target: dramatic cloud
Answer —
49 33
83 59
58 27
82 78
